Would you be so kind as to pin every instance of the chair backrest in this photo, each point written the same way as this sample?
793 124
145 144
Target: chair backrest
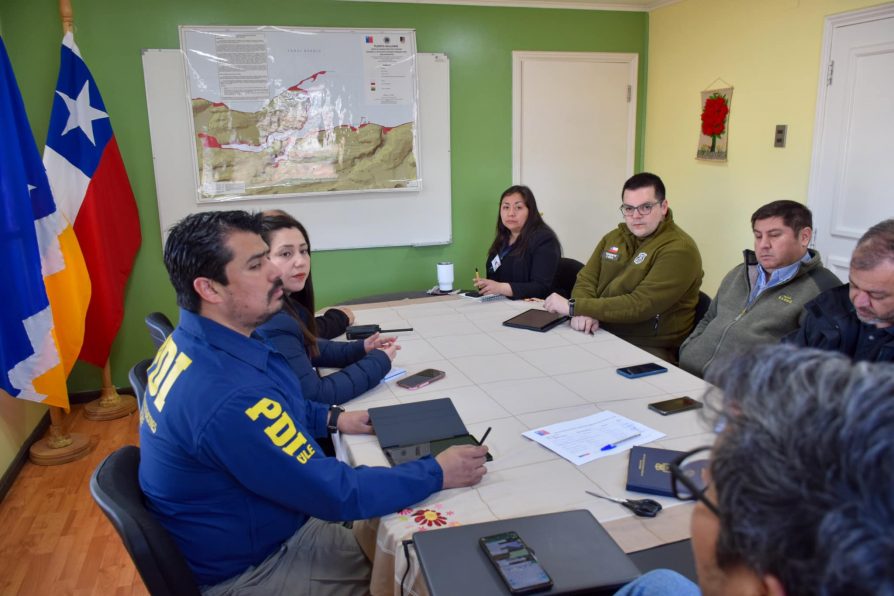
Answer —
138 376
566 275
701 307
160 327
116 489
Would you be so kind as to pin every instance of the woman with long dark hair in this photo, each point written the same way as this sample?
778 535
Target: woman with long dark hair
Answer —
522 261
292 332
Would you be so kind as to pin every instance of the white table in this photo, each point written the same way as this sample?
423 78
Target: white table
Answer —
514 380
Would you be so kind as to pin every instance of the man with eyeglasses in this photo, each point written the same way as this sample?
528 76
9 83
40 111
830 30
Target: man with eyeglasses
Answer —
857 318
762 300
642 281
796 495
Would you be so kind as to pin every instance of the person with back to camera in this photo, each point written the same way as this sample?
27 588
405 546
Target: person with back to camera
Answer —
524 256
229 459
291 331
795 497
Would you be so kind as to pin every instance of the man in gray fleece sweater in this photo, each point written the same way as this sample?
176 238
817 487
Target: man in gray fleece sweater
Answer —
762 300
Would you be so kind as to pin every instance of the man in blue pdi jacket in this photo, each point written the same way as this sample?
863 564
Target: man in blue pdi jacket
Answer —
229 462
857 318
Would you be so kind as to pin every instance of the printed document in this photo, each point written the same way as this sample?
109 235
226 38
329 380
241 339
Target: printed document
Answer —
584 439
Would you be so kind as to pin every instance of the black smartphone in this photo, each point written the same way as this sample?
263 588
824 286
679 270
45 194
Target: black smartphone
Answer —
677 404
473 294
421 379
516 563
641 370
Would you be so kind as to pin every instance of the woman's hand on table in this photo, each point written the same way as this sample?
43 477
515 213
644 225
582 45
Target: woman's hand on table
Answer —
377 342
463 465
489 287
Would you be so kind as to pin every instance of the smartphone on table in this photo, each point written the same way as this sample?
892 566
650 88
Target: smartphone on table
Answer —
421 379
516 563
675 405
641 370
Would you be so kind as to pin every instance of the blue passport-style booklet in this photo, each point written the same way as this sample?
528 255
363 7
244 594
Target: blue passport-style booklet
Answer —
649 470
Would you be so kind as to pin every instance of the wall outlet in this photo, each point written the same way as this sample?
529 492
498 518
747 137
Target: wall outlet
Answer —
779 137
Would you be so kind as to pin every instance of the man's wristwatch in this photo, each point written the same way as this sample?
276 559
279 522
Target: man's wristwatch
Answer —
571 307
334 413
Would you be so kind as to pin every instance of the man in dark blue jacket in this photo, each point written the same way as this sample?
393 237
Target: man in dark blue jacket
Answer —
857 319
229 462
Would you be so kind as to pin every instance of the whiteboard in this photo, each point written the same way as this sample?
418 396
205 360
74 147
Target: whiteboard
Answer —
337 221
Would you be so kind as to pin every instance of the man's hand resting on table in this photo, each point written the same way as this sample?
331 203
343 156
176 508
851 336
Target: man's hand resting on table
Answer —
355 423
463 465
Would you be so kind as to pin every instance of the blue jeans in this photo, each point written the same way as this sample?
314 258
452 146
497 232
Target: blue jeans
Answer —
660 582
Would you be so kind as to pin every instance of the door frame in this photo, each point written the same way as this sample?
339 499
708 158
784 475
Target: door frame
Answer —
833 22
518 59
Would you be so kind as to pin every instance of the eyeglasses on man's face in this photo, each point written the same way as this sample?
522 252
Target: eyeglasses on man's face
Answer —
690 477
644 209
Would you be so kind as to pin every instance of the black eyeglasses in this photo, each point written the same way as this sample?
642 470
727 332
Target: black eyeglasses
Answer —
644 209
689 477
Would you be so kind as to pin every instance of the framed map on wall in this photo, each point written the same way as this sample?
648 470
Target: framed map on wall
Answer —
290 111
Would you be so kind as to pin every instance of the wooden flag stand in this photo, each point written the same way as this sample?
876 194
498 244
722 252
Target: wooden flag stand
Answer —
59 447
110 404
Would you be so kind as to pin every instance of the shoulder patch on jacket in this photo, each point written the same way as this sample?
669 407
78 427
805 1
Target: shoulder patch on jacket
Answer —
640 258
785 298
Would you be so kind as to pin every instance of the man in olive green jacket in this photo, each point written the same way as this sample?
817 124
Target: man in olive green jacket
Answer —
762 300
643 279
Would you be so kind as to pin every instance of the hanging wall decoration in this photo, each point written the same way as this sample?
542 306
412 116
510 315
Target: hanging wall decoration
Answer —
714 137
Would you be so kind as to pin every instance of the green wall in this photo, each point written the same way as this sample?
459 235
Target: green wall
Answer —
479 41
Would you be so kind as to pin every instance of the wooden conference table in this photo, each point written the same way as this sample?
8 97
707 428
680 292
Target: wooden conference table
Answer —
514 380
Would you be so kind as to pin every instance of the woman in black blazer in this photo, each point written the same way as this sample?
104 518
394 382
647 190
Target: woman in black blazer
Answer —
522 261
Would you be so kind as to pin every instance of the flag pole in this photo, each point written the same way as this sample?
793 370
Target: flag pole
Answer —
110 404
60 446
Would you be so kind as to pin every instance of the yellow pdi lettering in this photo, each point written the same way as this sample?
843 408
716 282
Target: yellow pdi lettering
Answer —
283 432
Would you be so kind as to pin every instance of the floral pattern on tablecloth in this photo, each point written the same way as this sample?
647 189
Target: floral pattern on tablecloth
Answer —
428 518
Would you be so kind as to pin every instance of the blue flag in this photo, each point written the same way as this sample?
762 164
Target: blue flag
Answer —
29 358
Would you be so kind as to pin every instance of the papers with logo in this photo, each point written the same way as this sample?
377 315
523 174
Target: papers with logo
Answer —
584 439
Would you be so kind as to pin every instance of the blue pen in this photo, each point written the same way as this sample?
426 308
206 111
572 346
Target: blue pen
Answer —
611 446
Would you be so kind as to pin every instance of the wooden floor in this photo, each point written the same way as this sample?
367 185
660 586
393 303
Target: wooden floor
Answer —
53 537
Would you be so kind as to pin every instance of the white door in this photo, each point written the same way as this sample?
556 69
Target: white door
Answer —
852 173
574 128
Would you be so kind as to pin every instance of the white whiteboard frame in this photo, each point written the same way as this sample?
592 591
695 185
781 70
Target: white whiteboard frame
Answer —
338 221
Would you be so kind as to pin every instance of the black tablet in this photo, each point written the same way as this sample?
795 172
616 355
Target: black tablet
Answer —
536 319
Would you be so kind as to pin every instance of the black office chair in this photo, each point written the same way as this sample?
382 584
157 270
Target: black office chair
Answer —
701 307
566 275
138 375
160 327
116 489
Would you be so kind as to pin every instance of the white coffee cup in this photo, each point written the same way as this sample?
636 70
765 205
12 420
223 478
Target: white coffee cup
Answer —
445 276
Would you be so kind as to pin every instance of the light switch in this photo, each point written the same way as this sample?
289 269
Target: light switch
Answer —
779 137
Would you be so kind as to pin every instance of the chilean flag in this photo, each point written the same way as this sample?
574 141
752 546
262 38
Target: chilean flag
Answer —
91 188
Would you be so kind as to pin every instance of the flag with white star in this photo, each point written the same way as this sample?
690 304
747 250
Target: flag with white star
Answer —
29 353
91 187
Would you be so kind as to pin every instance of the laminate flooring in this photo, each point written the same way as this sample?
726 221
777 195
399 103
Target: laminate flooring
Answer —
53 537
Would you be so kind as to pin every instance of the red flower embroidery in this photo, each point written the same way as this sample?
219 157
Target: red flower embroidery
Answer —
714 115
427 517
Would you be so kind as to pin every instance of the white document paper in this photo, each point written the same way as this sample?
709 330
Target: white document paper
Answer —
584 439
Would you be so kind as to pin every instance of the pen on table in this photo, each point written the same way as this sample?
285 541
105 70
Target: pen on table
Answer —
611 446
484 436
